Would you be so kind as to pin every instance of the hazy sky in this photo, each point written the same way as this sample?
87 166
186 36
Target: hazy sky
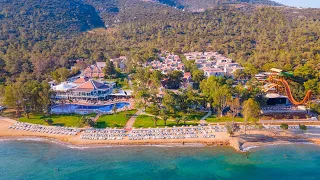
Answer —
301 3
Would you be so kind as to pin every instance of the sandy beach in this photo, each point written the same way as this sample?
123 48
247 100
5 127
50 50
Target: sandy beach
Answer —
257 138
220 139
268 138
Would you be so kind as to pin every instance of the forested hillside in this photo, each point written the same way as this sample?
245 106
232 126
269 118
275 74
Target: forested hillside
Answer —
39 36
122 11
107 9
201 5
36 19
32 25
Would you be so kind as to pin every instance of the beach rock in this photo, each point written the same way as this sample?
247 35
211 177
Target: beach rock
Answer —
235 143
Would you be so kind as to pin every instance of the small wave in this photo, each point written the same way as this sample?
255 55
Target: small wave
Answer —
88 147
32 139
246 149
174 145
95 146
133 145
23 139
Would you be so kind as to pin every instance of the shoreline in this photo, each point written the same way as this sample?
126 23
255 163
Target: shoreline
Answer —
89 146
255 139
162 144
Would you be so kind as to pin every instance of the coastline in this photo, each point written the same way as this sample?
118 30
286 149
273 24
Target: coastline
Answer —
241 143
6 133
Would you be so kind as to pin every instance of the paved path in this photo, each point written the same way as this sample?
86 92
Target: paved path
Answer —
132 119
96 117
7 119
287 121
203 119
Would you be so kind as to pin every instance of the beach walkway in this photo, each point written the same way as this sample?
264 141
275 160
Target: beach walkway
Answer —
7 119
203 119
96 117
132 119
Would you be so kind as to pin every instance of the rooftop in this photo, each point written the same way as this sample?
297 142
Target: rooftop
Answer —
90 86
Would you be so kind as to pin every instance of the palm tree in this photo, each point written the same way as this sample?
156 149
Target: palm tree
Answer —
234 107
184 119
83 120
87 121
114 109
178 120
125 112
155 119
232 128
165 118
163 114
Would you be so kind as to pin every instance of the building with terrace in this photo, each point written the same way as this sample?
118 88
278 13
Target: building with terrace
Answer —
120 62
83 89
213 72
168 62
213 63
95 70
187 80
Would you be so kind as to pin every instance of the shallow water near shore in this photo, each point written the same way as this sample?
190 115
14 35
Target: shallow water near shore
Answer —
43 160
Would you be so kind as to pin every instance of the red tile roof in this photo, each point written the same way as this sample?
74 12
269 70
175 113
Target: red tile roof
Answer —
90 86
81 80
187 75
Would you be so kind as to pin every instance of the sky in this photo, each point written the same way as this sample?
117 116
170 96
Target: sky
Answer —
301 3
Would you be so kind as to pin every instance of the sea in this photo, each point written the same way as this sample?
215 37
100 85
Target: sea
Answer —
40 160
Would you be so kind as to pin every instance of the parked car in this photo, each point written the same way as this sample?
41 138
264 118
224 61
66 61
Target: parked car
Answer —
2 108
314 118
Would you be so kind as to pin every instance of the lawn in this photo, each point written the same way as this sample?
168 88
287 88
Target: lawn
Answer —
214 118
72 120
146 121
123 85
196 116
117 120
120 81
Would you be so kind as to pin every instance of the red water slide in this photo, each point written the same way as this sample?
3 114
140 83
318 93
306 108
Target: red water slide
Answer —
291 98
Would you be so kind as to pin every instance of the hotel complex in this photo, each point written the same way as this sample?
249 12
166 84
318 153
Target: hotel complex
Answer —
166 63
213 63
83 89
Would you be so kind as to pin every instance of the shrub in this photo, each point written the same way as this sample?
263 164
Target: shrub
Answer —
49 121
118 125
303 127
232 128
259 126
284 126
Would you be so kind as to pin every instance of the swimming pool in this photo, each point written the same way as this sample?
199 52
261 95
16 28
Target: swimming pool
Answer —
83 109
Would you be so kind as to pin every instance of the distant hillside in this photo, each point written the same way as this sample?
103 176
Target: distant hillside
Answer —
200 5
107 9
35 19
122 11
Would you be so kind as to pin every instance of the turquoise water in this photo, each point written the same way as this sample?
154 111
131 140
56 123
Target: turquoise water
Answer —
41 160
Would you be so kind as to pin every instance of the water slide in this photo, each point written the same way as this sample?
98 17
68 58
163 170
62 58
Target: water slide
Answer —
289 94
